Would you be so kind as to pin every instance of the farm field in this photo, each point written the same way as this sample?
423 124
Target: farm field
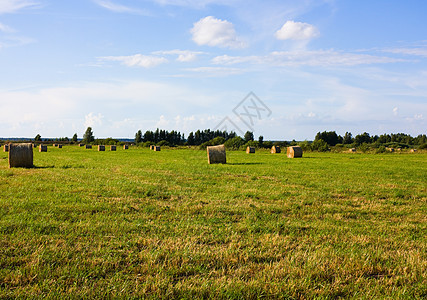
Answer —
139 223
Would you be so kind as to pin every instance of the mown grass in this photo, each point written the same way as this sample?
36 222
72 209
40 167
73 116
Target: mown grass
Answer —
139 223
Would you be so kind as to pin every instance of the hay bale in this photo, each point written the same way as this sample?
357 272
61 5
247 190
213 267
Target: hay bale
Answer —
113 148
294 151
6 148
88 146
250 149
156 148
101 148
125 147
42 148
275 149
21 155
216 154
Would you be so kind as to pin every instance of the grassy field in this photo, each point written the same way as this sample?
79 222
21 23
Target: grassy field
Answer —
139 223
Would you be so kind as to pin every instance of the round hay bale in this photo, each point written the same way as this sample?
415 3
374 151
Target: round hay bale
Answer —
294 151
275 149
216 154
6 148
125 147
250 150
88 146
101 148
113 148
156 148
42 148
21 155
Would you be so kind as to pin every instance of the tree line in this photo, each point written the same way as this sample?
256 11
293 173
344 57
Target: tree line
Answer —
175 138
332 138
323 141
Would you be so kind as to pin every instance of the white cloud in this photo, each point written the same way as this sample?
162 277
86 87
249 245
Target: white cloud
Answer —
183 55
328 58
231 60
195 3
216 71
163 122
215 32
10 6
137 60
322 58
13 41
92 120
407 51
395 111
186 57
118 8
5 28
297 31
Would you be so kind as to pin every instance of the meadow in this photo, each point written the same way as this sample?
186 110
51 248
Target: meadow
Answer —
142 224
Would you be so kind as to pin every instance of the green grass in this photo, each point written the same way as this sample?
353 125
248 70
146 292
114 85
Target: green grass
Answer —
138 223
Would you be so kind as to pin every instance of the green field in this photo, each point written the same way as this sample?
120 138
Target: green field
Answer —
139 223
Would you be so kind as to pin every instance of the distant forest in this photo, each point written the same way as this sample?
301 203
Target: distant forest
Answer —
323 141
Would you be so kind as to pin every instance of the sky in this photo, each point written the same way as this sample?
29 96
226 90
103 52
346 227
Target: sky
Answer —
282 69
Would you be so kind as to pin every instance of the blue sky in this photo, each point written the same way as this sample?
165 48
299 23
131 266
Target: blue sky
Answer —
124 65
